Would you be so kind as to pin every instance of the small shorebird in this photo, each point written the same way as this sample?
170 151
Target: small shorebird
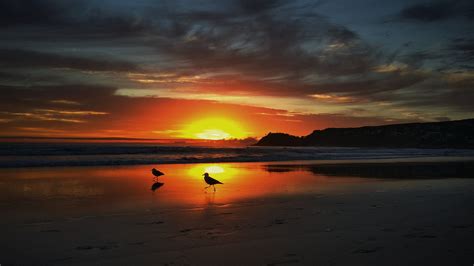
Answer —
210 181
156 172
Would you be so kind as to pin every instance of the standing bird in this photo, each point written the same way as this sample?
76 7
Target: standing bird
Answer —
210 181
156 172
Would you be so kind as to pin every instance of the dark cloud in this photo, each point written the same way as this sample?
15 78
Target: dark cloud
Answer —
251 44
99 24
438 10
440 91
256 6
455 100
16 58
455 54
17 98
463 51
33 12
68 20
428 12
279 42
258 38
372 87
8 76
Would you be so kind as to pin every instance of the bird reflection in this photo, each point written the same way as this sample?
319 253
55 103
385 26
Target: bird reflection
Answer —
156 186
210 197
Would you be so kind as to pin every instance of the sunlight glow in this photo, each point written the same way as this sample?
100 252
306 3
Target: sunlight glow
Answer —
215 169
214 129
213 134
222 172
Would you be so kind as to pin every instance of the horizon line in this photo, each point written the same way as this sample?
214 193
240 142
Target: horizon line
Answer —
115 138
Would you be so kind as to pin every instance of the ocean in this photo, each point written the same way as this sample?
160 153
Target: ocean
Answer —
36 154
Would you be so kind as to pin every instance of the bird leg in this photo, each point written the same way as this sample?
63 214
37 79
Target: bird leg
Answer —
214 188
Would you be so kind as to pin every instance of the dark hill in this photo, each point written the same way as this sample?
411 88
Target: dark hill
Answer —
280 139
451 134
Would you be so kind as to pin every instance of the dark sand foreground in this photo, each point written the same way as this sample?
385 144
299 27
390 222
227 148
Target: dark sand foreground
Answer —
388 213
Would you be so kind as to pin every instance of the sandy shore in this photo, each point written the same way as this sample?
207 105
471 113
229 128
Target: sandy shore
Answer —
356 220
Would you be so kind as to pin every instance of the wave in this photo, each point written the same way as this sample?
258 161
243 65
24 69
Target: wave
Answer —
86 154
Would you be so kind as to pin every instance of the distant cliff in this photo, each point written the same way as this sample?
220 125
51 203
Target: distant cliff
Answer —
451 134
280 139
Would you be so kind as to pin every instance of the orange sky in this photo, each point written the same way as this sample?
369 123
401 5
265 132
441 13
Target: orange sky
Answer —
105 114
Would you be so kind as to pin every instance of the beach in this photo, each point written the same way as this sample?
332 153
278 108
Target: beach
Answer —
236 132
415 211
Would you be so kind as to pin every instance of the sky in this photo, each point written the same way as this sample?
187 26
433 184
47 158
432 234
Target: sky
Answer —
231 68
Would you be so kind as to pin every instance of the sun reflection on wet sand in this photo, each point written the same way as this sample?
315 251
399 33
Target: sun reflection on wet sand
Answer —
129 186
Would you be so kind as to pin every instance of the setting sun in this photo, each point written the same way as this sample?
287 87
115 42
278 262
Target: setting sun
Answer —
214 129
213 134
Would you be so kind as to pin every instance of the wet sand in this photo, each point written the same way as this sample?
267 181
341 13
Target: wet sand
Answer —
400 212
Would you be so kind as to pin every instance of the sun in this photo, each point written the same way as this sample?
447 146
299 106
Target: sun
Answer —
214 129
213 134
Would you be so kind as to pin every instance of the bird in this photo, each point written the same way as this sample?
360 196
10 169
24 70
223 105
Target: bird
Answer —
210 181
156 172
156 186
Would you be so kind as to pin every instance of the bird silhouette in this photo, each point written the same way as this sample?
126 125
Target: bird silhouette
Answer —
156 186
210 181
156 172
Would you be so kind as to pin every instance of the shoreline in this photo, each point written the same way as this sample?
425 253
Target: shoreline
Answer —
395 159
57 155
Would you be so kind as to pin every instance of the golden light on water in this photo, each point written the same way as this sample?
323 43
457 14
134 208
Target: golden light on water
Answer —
214 128
215 169
183 184
221 172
